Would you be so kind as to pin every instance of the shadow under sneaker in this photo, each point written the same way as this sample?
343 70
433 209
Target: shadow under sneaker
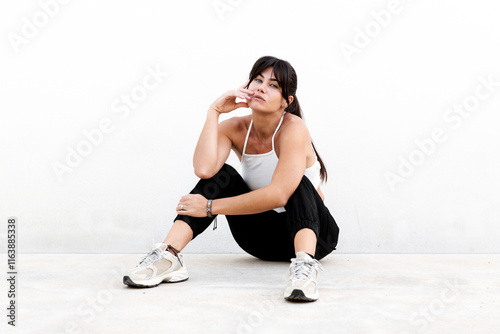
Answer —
158 266
302 286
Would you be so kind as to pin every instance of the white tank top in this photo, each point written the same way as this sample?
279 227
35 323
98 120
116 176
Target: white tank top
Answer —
258 169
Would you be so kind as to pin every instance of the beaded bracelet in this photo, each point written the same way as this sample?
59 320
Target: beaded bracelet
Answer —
209 209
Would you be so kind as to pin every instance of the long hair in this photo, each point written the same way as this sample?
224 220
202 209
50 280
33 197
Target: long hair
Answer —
287 79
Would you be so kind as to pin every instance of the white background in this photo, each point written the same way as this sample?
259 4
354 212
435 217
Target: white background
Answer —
365 113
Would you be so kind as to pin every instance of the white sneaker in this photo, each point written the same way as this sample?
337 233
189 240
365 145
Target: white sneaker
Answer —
158 266
302 286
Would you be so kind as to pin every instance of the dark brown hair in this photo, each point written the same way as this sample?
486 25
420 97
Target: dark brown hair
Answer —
287 79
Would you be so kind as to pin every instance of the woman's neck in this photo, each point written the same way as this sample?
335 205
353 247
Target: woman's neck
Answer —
264 124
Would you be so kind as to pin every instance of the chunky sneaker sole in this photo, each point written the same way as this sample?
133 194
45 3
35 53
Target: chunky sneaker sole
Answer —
175 277
299 296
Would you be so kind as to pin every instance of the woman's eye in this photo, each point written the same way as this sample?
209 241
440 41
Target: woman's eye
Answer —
273 85
258 80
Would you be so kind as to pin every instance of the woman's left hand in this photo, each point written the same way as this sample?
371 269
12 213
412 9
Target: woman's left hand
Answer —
192 205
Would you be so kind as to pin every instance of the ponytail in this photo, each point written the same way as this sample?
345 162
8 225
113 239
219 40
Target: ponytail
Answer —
294 109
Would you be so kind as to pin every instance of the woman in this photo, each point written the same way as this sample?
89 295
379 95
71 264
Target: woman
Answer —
275 210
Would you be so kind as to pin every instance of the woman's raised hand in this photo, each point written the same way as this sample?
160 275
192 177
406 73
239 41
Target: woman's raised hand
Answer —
227 102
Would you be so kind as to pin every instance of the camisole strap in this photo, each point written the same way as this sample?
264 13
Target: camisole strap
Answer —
277 128
250 127
246 138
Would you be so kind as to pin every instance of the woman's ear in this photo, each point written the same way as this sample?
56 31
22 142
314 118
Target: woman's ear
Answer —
290 99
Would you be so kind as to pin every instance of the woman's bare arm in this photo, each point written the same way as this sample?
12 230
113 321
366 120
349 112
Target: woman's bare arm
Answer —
293 143
214 145
286 178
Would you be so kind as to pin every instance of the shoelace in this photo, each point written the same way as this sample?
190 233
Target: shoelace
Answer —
175 252
302 268
151 257
156 254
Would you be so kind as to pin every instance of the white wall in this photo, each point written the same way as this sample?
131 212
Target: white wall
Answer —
365 106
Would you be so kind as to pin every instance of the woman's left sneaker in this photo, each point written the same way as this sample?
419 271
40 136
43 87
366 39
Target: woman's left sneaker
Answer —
302 286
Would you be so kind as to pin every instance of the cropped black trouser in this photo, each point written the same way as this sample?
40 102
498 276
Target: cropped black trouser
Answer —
269 235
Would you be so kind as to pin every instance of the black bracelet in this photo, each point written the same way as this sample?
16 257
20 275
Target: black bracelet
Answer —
209 209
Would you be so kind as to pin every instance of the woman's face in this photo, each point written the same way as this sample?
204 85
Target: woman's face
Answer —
267 92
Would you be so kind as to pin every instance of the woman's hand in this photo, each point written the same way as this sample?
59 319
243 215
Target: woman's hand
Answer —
192 205
227 102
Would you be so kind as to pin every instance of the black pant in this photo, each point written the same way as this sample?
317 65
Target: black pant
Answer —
269 235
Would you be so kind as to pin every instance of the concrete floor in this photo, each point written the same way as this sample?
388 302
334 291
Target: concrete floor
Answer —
359 293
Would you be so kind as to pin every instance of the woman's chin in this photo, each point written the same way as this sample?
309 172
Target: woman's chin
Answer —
259 107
